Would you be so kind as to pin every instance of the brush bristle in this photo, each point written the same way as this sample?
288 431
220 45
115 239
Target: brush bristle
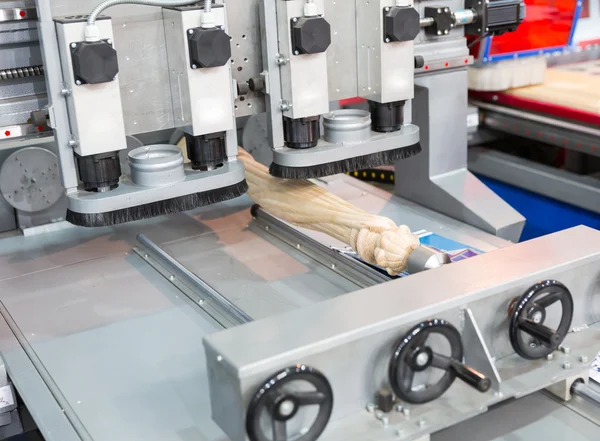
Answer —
346 165
160 208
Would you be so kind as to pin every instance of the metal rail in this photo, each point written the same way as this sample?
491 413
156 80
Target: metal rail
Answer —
348 267
584 391
234 314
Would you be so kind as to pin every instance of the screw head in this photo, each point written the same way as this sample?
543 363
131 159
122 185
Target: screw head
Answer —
387 40
73 45
439 32
109 41
78 82
446 32
565 349
387 9
194 66
191 31
439 11
583 359
295 20
566 365
296 52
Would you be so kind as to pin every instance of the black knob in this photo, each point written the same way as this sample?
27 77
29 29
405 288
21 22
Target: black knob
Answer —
530 336
385 400
281 397
472 377
413 355
419 62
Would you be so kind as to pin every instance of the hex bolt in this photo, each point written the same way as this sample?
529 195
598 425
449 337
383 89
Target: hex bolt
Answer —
385 420
78 82
194 66
550 357
399 408
281 60
406 412
109 41
387 40
399 433
378 414
422 423
191 31
583 359
566 365
387 9
439 32
370 408
65 92
565 349
73 45
284 106
446 32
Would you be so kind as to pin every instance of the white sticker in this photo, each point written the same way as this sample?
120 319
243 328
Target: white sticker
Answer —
6 397
472 120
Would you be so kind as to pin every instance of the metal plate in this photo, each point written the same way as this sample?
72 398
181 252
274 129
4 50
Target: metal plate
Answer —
30 180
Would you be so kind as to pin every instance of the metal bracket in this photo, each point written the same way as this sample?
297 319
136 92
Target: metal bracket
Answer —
477 354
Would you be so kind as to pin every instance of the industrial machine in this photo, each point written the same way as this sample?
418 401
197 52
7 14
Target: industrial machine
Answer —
209 319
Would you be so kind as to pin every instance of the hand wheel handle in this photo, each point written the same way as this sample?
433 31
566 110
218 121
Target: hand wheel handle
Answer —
277 399
528 314
413 355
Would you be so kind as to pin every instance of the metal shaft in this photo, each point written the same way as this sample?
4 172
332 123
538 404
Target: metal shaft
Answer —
21 72
240 316
584 391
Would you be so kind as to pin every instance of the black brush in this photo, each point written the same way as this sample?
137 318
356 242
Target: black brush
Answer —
160 208
345 165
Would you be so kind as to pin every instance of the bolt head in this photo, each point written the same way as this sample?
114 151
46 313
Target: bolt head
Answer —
446 32
73 45
385 420
78 82
439 11
398 407
566 365
550 357
439 32
406 411
191 32
378 414
422 423
583 359
194 66
370 407
109 41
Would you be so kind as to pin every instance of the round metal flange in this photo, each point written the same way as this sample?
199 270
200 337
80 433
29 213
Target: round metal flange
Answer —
156 165
347 126
30 180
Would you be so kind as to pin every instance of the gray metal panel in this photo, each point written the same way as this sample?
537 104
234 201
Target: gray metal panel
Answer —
374 309
535 417
438 177
580 191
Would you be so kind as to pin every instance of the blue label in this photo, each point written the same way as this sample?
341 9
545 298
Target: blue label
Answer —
456 250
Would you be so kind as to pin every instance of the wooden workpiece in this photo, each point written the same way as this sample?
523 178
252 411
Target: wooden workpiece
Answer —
378 240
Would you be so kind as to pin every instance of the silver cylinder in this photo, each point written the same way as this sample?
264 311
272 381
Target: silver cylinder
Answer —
347 126
156 165
424 258
464 17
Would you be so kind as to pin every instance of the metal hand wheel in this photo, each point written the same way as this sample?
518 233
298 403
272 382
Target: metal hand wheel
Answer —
413 355
281 397
527 317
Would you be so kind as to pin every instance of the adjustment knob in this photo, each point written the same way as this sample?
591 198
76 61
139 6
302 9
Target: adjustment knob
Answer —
530 336
413 355
282 397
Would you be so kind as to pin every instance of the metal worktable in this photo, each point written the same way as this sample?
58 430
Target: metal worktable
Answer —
102 346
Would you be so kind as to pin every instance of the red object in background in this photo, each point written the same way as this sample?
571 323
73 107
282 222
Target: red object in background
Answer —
547 24
585 9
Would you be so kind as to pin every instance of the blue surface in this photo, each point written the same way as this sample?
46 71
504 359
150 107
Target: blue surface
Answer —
544 215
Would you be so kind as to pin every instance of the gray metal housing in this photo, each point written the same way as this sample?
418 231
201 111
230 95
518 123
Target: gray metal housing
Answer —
350 338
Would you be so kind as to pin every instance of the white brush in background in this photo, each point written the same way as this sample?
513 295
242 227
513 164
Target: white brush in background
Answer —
508 74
